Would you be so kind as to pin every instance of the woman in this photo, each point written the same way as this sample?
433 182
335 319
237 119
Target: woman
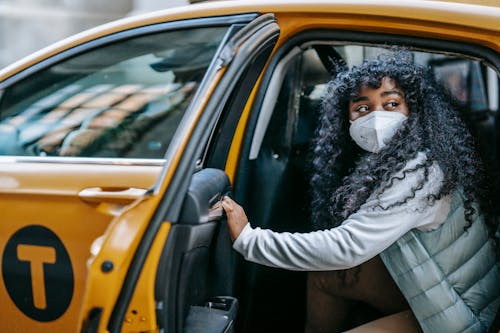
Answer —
397 195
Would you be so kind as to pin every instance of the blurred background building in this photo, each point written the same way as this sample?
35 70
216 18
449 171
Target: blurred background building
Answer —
29 25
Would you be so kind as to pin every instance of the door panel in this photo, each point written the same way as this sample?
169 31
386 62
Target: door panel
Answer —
43 214
238 52
183 278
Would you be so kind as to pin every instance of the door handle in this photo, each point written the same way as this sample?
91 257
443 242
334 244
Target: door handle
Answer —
105 195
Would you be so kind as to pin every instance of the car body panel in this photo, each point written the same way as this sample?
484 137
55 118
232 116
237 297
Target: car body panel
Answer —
103 287
141 312
54 192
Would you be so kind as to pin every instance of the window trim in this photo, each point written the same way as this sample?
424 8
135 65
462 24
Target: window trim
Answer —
83 160
270 98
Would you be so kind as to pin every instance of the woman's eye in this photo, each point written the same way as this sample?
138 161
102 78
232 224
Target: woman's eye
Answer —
391 105
362 108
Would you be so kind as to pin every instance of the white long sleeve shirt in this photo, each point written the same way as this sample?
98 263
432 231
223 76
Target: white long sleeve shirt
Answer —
360 237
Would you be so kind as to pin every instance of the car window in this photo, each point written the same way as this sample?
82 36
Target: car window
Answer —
124 99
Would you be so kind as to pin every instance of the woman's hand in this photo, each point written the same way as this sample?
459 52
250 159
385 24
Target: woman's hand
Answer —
236 217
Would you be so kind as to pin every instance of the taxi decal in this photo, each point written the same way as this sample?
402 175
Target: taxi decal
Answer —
37 273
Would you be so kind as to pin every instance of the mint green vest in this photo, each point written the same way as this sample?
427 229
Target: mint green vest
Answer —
450 277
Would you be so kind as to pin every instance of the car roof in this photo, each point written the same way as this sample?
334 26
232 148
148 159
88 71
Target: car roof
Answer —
479 15
493 3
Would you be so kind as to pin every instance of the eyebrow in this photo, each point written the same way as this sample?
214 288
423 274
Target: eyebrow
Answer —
359 99
390 92
385 93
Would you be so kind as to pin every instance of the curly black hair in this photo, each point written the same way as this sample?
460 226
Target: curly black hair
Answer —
344 176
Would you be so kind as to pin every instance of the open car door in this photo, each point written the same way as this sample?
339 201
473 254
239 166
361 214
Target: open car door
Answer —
156 265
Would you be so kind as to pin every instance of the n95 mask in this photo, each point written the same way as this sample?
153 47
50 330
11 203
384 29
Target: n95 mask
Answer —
372 131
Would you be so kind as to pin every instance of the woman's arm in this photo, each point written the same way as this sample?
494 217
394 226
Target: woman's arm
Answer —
363 235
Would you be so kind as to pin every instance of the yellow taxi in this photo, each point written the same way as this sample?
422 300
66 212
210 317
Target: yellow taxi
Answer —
118 143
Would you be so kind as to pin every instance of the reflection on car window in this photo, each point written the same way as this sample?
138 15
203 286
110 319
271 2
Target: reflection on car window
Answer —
122 100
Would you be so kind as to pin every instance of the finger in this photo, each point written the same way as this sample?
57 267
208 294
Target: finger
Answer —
227 206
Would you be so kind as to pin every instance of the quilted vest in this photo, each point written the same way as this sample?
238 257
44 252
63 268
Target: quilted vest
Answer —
450 277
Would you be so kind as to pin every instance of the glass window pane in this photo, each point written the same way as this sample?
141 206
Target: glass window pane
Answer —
121 100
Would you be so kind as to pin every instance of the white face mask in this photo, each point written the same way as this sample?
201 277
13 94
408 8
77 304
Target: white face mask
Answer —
372 131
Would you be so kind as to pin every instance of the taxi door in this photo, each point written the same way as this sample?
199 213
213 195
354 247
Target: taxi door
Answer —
92 216
163 227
